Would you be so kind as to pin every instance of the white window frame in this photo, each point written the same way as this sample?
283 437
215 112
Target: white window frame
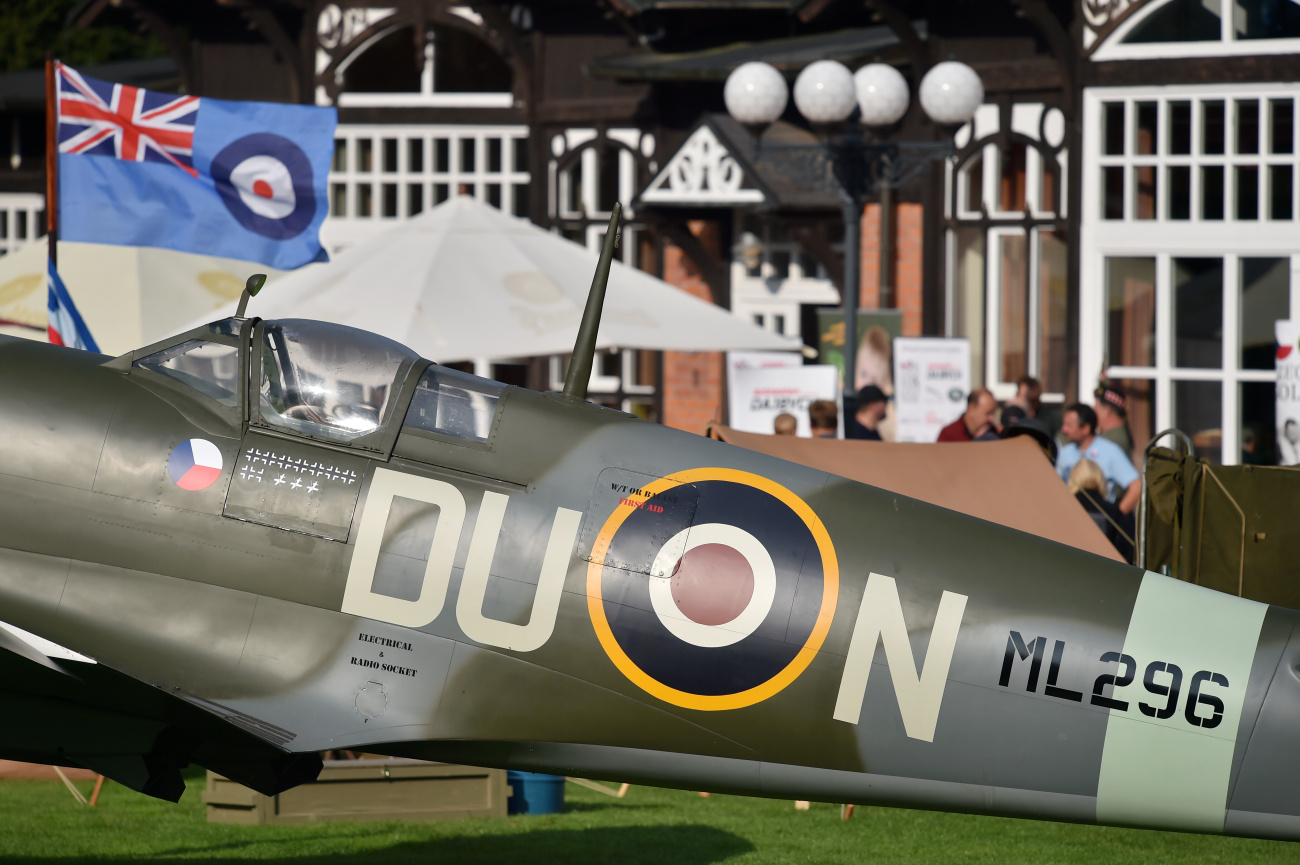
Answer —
342 230
428 95
600 382
561 182
26 209
768 296
1026 118
1165 240
1227 44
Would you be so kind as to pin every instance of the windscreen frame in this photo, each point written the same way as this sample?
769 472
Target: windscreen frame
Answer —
381 441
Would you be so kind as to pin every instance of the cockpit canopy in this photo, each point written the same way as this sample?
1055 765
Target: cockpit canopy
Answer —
329 380
323 380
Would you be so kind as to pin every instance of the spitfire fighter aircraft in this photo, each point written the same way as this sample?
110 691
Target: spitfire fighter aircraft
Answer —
260 540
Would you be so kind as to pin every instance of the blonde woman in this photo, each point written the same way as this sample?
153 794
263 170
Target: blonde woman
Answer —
1088 483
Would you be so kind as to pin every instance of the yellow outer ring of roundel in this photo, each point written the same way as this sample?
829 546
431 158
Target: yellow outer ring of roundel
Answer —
716 702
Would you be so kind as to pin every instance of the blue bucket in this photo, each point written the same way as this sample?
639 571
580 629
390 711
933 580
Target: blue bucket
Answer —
531 793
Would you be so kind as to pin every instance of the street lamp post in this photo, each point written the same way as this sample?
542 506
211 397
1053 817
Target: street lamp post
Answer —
826 94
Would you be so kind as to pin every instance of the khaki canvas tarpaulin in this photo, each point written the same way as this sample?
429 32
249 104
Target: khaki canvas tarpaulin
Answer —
1008 482
1229 528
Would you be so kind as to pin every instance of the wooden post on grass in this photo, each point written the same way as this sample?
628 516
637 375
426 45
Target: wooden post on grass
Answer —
99 785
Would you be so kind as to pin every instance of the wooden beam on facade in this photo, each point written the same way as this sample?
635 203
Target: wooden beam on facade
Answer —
713 270
918 50
813 239
269 26
1062 45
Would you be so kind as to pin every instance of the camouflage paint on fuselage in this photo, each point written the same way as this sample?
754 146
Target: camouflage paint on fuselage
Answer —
590 594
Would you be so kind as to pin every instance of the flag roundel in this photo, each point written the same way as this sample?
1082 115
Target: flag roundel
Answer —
265 181
194 464
734 606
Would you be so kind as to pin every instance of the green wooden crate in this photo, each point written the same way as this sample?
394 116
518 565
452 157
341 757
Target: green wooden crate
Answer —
367 789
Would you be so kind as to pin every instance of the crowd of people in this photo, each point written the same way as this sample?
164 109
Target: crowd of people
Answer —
1092 453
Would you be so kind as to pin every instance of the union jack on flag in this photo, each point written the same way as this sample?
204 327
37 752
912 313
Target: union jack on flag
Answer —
253 177
130 123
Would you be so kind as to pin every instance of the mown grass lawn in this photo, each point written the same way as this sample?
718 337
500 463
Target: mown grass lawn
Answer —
40 822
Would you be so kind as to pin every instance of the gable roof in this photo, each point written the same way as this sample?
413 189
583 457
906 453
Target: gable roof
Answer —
721 164
852 47
636 7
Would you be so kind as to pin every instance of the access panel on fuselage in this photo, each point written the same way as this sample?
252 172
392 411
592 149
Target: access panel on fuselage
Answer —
295 486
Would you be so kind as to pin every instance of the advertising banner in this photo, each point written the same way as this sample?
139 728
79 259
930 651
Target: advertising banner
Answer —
758 395
876 329
1288 392
931 381
737 360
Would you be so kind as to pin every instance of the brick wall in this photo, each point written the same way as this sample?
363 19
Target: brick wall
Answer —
908 227
693 382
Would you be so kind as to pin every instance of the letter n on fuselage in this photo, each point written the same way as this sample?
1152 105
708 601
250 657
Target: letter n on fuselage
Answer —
880 619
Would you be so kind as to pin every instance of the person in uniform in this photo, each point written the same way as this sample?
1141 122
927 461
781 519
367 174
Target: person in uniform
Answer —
1112 416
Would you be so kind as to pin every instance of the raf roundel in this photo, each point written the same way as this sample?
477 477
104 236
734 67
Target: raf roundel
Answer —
194 464
265 181
712 589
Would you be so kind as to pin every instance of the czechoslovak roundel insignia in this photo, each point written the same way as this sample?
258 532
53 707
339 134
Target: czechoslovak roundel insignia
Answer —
727 611
265 181
194 464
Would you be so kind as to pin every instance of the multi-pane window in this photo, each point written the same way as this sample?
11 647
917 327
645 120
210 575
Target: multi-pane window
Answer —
1188 237
1007 250
455 68
1198 159
773 275
620 378
22 220
586 177
1191 28
395 172
1191 339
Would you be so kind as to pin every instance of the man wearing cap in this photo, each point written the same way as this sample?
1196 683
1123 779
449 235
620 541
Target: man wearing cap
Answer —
1112 416
872 403
976 423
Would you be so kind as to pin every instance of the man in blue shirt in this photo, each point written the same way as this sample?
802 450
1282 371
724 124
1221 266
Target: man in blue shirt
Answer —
1080 431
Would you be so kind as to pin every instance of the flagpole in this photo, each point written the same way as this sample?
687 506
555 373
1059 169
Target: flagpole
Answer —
51 159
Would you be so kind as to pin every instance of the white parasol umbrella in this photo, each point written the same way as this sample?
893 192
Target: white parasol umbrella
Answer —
465 280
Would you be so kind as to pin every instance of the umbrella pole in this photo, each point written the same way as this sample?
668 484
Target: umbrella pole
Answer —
584 349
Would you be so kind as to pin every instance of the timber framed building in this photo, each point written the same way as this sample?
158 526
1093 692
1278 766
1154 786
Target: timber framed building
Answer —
1124 202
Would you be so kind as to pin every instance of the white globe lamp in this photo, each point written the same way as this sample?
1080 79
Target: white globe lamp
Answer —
950 92
824 92
882 94
755 93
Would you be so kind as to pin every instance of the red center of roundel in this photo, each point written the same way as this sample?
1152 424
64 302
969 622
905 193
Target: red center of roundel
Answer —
1283 351
713 584
263 189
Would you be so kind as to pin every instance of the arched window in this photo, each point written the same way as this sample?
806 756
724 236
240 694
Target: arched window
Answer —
389 64
1200 28
1007 253
455 69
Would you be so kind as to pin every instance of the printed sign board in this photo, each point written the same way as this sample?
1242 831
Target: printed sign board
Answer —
1288 392
931 381
876 329
758 395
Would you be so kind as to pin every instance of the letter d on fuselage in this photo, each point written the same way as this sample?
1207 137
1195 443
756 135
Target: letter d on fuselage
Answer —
360 598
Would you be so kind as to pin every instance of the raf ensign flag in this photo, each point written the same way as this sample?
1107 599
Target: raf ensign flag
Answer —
242 180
